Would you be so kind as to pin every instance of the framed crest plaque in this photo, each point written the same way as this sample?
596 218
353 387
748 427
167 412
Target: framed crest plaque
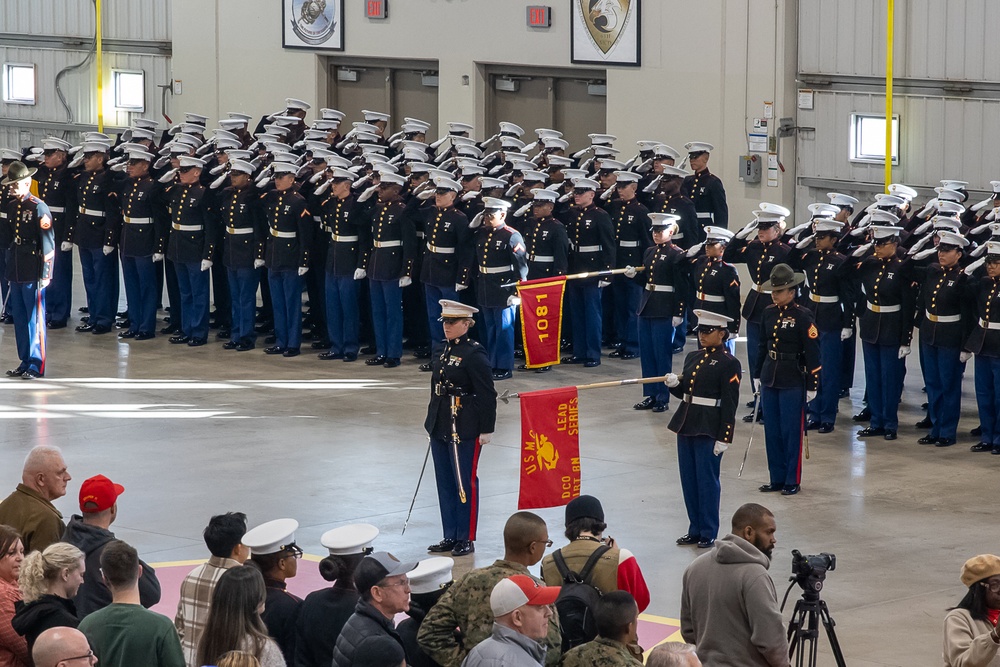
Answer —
313 24
605 32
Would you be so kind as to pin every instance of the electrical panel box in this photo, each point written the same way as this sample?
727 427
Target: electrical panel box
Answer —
749 169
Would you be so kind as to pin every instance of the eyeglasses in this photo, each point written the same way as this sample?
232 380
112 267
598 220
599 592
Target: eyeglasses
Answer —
992 586
547 543
88 656
404 582
292 551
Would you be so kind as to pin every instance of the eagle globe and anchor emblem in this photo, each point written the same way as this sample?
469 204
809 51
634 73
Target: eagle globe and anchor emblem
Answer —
605 21
313 21
544 455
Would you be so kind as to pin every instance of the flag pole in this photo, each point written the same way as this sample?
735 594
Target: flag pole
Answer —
507 394
588 274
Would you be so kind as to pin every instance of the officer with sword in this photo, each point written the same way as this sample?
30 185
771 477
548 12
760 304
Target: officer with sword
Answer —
461 418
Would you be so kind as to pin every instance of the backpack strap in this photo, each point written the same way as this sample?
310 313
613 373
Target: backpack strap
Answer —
592 562
568 576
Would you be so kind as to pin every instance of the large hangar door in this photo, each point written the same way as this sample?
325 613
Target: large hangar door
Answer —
400 88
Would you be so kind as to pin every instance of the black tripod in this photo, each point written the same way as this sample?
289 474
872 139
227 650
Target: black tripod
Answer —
803 628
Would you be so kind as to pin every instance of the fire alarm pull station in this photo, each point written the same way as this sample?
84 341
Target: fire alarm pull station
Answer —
749 169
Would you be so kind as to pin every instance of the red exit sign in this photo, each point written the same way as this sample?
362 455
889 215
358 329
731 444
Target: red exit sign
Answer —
377 9
539 16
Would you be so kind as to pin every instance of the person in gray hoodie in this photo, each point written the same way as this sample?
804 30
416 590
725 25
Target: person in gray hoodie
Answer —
729 607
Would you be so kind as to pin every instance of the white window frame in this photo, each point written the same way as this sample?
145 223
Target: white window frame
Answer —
8 96
116 83
858 153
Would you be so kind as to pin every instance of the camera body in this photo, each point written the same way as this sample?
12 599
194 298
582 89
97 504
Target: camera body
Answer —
810 571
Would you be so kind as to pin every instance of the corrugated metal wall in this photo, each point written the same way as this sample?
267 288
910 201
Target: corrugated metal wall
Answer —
136 21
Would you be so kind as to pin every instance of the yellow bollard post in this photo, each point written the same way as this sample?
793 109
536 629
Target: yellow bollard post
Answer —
100 70
889 24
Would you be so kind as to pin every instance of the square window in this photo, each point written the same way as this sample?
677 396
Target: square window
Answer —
130 90
868 138
18 83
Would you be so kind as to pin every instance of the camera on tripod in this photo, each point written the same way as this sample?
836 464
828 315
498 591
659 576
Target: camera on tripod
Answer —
809 572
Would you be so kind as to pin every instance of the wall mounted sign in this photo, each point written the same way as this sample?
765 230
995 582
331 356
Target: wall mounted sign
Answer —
377 9
539 16
605 32
312 24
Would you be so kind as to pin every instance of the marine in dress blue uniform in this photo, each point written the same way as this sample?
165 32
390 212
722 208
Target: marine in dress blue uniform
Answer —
709 391
462 379
243 236
984 343
54 183
30 239
788 368
704 188
715 283
631 224
545 238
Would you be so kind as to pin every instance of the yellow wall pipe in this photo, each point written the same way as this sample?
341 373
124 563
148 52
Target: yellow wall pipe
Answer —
889 24
100 70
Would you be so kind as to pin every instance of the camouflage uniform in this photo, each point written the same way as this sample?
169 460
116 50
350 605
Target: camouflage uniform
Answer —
466 605
604 653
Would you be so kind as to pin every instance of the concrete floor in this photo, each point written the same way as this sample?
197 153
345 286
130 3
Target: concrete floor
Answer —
194 432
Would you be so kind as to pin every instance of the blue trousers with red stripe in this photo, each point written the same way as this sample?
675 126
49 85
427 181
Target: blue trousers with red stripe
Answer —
458 519
27 307
784 410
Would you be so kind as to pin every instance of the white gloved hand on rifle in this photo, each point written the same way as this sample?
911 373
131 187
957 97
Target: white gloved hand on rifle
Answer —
630 272
672 380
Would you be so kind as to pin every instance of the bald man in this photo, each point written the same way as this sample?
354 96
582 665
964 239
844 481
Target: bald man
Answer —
29 509
673 654
57 647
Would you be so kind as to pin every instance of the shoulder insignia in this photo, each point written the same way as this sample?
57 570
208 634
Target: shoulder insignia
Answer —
813 331
735 378
46 222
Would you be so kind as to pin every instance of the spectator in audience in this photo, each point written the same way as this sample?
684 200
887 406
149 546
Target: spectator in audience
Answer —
49 581
379 651
90 533
729 608
234 622
385 591
466 605
29 509
62 647
223 537
616 570
673 654
617 642
521 611
325 612
13 648
238 659
428 582
123 634
970 633
273 550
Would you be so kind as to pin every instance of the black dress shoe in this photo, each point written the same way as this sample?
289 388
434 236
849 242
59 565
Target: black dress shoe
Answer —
123 324
197 342
270 340
330 356
291 352
224 333
231 345
463 548
367 349
127 334
825 428
593 363
628 355
615 354
572 360
924 423
890 435
424 368
927 440
870 431
321 345
945 442
56 325
170 329
543 369
976 432
749 418
750 404
98 330
812 425
83 309
502 375
771 488
687 539
350 357
85 319
863 416
145 335
424 353
923 406
274 349
85 328
442 546
375 361
981 447
844 393
30 374
245 346
179 340
15 372
790 490
995 451
705 544
647 403
660 407
391 362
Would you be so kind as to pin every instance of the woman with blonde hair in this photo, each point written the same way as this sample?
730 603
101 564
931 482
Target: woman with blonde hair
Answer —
234 622
48 581
238 659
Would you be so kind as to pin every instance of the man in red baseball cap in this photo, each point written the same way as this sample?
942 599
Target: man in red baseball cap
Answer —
90 532
521 611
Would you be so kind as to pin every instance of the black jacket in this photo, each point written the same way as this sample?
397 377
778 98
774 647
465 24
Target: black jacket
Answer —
885 284
944 296
281 613
31 245
140 226
709 373
350 236
448 253
831 289
366 622
547 248
462 369
691 231
242 228
760 258
709 197
665 279
715 286
93 594
48 611
788 354
322 617
408 628
631 225
984 293
501 259
193 230
592 236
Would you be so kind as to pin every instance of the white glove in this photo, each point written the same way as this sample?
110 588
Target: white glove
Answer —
676 321
805 242
485 438
168 176
477 220
322 187
746 231
318 175
521 211
356 185
206 264
108 249
360 274
964 356
157 256
405 281
367 194
513 300
262 183
43 283
258 264
971 268
922 228
606 195
469 196
65 246
426 194
983 204
919 245
904 351
694 250
860 250
925 253
720 448
217 183
795 231
672 380
512 190
630 272
845 333
653 184
603 283
121 166
644 167
459 287
810 396
303 270
566 197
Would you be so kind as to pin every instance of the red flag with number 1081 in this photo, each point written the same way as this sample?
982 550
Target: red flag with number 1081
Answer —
541 320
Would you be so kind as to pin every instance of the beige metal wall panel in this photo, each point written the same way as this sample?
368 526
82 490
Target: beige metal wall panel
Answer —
123 19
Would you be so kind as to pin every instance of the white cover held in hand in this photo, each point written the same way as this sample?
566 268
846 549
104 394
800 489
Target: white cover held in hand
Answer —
904 350
157 256
672 380
485 438
258 264
720 448
676 321
513 300
405 281
360 274
206 264
845 333
630 272
108 249
964 356
303 270
810 396
65 246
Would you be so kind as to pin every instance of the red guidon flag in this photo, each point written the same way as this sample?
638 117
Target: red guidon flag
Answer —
541 319
550 448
